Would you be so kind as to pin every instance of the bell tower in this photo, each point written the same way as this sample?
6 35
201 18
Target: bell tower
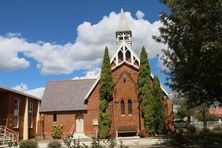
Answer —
123 33
124 53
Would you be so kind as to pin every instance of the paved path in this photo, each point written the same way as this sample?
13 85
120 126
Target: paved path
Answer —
131 142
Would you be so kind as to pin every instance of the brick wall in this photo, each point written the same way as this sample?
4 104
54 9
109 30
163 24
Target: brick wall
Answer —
7 112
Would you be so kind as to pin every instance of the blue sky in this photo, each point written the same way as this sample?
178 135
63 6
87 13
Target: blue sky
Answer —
35 34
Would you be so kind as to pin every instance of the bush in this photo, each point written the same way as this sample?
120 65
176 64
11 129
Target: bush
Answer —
217 128
54 144
142 134
28 144
95 143
191 129
57 131
68 140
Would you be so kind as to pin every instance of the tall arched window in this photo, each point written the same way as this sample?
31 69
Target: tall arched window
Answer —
122 105
130 108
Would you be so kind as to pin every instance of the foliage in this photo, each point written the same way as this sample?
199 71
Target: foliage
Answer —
95 143
145 93
142 134
150 97
54 144
70 142
122 145
111 142
57 131
106 94
158 107
193 33
28 144
217 128
191 128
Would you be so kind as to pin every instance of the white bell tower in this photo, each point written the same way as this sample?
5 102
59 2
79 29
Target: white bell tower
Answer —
124 51
123 33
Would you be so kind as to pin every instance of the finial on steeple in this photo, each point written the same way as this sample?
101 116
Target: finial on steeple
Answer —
123 25
122 10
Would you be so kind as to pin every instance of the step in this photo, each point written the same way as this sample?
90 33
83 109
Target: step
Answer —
5 145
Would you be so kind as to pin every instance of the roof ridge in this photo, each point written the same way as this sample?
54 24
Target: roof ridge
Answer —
72 79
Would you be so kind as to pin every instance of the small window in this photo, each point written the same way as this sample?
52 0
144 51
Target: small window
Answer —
54 117
130 109
30 116
122 107
16 113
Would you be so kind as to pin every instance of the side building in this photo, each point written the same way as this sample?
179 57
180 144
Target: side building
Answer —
19 113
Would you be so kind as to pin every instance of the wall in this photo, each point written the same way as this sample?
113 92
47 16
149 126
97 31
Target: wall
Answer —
7 112
125 80
66 118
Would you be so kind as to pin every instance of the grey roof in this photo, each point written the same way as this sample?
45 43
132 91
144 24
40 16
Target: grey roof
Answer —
66 95
19 92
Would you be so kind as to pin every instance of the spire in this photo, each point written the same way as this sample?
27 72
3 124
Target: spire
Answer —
122 25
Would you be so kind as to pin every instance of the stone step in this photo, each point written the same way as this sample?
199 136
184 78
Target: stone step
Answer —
80 136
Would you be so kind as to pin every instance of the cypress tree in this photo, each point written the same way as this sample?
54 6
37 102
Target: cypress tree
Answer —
106 93
145 93
158 107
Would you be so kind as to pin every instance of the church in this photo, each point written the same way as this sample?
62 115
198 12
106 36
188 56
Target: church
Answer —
75 103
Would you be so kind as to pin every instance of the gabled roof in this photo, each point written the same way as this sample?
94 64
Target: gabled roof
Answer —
2 88
215 111
66 95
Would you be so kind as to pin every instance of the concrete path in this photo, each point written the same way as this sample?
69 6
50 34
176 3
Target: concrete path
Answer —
131 142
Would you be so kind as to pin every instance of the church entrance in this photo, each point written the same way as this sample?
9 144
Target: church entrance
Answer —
79 123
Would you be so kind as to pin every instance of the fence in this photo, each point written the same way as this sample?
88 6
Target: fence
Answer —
200 125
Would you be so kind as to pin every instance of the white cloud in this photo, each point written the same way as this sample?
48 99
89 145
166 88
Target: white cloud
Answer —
21 87
38 92
85 53
92 74
140 14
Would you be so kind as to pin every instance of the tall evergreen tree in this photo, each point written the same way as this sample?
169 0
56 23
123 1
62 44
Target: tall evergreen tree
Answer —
158 107
145 93
106 94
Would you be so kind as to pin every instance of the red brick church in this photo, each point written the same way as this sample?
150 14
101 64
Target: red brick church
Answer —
75 103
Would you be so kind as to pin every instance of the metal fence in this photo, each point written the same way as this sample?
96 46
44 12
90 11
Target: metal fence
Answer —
200 125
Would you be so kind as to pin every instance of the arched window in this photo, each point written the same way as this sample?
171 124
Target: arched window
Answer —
130 108
122 107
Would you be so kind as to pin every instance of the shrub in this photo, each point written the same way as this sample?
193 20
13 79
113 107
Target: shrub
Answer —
110 142
57 131
54 144
68 140
122 145
95 143
217 128
28 144
142 134
191 128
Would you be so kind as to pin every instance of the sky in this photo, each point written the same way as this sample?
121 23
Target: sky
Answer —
59 40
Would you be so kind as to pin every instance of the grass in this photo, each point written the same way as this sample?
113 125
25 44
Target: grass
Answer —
201 139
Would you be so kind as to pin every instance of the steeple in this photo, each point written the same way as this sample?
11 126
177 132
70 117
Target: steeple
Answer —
123 33
122 25
124 53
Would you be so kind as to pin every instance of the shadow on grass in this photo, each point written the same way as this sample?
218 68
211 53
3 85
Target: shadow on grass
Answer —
201 139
